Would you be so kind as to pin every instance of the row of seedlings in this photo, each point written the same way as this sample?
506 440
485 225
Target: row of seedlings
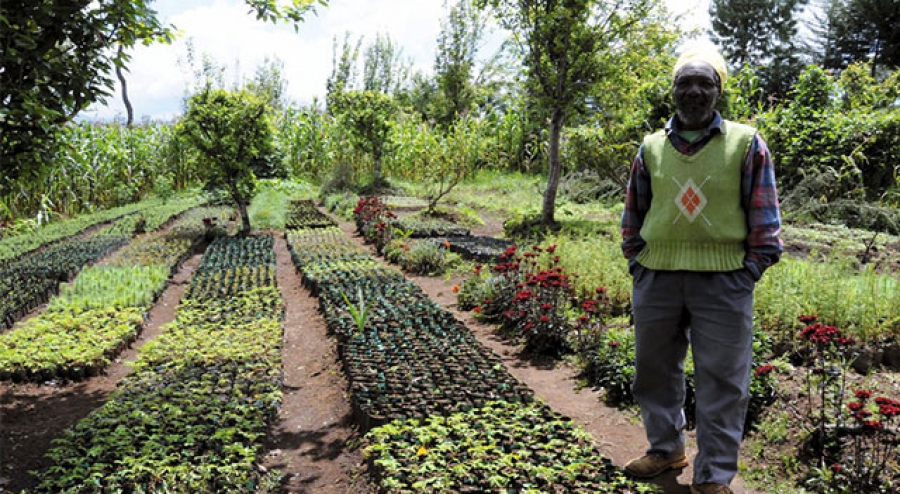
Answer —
93 319
30 280
442 412
303 213
191 416
15 246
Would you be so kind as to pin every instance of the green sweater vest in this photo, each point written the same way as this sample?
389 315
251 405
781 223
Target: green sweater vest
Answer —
696 221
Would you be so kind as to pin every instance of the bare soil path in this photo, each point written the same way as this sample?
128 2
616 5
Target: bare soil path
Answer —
314 441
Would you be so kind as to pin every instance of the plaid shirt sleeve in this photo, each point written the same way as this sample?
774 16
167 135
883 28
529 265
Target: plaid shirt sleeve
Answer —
637 202
760 201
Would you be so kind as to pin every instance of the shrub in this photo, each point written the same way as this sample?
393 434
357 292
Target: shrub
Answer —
853 442
828 154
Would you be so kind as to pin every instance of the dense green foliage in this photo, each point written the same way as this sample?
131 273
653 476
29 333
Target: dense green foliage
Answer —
853 31
55 61
836 144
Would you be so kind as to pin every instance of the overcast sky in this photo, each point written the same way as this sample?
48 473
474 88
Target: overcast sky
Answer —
231 36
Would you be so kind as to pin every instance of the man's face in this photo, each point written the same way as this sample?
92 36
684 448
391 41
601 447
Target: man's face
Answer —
696 92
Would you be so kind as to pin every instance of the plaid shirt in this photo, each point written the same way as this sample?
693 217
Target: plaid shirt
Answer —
758 197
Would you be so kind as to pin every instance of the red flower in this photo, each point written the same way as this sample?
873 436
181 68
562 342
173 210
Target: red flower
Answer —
855 406
477 310
524 295
613 344
551 249
863 394
807 319
545 319
764 370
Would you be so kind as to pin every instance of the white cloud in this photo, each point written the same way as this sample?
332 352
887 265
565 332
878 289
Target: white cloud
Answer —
231 36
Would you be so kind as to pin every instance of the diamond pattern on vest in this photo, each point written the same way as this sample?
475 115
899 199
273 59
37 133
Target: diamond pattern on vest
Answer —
690 200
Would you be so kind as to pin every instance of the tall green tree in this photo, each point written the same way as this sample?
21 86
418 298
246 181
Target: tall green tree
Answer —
343 68
850 31
763 35
457 46
232 130
269 83
563 42
384 69
367 116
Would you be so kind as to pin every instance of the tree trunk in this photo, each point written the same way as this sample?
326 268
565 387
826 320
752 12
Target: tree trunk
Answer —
547 213
377 159
245 219
121 75
241 205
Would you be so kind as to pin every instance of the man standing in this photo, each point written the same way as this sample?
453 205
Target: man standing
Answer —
701 225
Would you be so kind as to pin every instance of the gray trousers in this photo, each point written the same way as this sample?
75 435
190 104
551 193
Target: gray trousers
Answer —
713 313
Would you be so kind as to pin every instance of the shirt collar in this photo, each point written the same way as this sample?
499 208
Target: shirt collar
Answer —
717 124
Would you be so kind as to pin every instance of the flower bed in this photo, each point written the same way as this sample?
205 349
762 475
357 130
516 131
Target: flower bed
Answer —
192 415
321 245
501 447
403 355
476 248
16 246
112 287
429 227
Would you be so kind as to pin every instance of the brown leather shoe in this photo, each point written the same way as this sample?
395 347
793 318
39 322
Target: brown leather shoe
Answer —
653 464
711 489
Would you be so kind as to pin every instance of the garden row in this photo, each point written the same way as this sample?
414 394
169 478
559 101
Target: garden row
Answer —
30 279
442 412
17 245
190 416
846 441
392 236
92 320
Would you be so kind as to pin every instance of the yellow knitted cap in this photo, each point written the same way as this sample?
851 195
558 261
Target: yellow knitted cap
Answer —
707 54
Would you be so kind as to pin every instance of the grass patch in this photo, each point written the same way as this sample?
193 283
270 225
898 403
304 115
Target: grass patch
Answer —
270 204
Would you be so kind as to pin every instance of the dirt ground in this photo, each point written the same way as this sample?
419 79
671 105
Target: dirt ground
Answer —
314 441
